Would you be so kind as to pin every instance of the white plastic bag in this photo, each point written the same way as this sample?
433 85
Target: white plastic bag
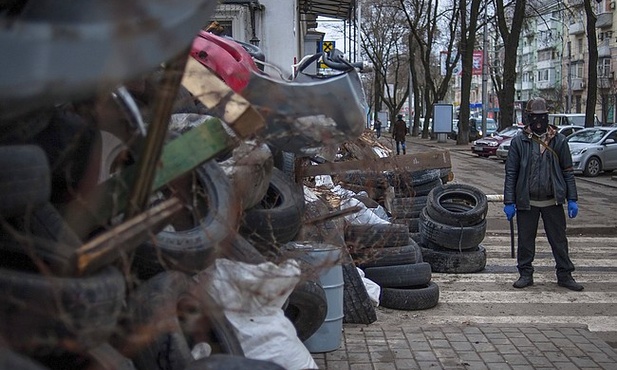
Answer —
251 297
363 217
372 288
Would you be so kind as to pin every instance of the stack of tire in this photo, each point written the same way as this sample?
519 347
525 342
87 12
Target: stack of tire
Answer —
452 227
390 258
410 195
405 183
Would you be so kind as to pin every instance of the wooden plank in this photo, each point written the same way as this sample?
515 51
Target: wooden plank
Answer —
407 163
222 101
125 237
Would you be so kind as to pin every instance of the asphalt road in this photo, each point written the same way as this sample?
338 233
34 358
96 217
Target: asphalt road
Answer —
488 296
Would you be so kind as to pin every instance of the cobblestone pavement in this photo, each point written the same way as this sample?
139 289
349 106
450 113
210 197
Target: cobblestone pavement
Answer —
469 347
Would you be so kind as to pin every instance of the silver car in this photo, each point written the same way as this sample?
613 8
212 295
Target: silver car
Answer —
594 150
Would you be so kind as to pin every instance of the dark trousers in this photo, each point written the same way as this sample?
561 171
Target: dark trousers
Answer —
554 220
400 144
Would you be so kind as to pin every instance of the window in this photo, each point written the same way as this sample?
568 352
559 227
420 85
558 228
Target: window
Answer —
579 45
543 75
576 70
546 55
604 67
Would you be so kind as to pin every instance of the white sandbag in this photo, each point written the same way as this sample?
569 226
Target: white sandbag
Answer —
251 297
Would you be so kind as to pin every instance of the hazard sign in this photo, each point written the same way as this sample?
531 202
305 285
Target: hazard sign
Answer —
326 47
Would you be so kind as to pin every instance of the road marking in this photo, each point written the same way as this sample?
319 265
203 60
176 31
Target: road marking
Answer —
539 278
527 296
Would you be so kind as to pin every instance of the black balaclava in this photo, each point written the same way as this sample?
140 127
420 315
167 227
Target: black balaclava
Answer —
538 123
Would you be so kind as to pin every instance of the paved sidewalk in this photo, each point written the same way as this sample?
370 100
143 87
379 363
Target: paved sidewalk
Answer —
474 347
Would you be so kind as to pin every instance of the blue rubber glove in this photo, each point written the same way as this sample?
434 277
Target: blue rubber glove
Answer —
572 208
509 210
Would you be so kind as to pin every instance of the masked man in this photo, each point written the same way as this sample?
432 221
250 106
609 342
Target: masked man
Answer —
538 182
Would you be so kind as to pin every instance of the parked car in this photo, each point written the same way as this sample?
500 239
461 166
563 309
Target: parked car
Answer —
487 146
475 128
570 119
502 149
594 150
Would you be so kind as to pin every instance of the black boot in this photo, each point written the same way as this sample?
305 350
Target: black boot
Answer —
570 283
523 281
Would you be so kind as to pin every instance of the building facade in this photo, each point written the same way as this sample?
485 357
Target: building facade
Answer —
284 30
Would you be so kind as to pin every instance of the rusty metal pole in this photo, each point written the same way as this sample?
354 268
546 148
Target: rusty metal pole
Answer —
157 132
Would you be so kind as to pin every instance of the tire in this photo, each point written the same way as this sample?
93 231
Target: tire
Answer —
286 162
412 223
307 308
409 275
593 167
228 362
278 217
376 235
165 317
451 237
25 180
38 237
454 262
388 256
443 201
413 180
357 305
191 248
417 190
408 207
41 314
410 299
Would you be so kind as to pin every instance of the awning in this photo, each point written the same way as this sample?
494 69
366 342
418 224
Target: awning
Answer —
341 9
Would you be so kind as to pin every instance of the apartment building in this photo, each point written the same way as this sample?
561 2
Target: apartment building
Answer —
553 57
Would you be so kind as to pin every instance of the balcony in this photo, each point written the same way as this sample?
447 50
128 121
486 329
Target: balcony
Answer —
576 28
605 20
578 84
527 85
604 50
545 44
544 64
545 84
605 83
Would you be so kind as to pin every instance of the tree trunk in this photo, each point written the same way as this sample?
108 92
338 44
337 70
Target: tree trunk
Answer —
468 41
592 70
510 37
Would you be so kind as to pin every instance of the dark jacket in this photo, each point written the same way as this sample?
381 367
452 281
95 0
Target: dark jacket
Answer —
399 130
518 166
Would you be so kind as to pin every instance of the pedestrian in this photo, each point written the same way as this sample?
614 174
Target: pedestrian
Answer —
539 180
399 131
377 127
